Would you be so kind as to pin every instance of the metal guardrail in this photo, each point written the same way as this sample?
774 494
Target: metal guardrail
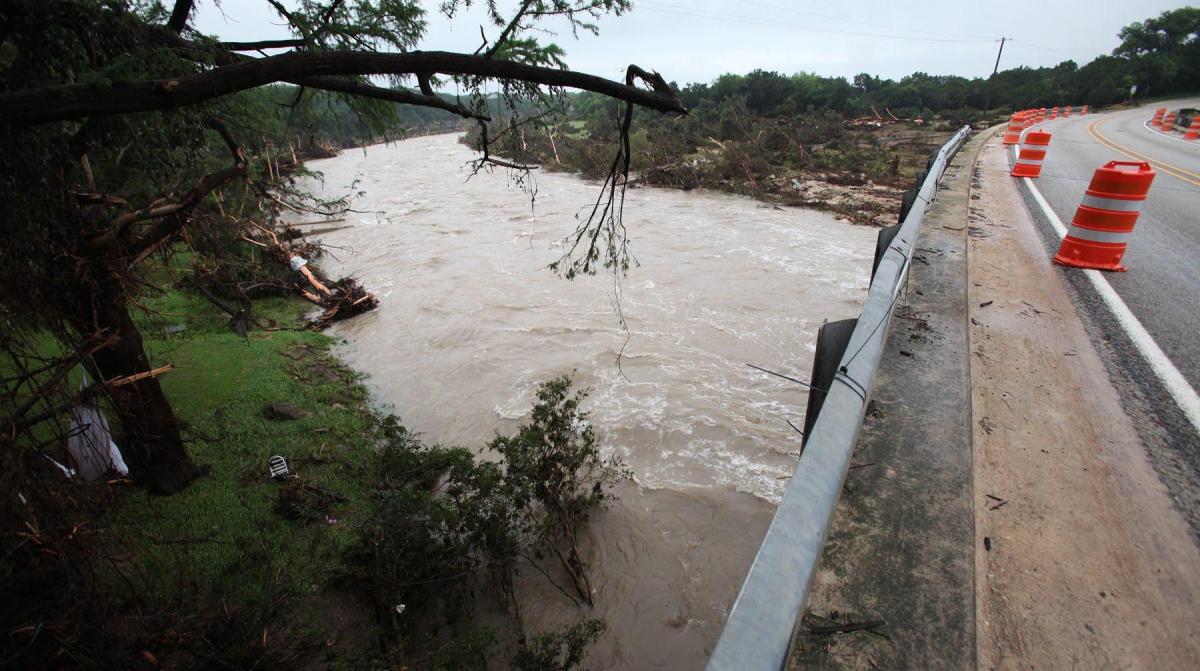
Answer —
758 633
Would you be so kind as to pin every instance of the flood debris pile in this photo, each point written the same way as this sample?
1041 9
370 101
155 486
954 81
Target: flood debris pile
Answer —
857 168
339 299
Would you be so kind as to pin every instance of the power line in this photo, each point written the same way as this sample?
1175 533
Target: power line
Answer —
1035 46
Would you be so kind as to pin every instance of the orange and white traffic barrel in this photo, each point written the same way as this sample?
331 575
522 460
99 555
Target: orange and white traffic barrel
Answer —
1193 130
1067 111
1168 122
1158 115
1083 110
1033 154
1015 125
1053 113
1104 221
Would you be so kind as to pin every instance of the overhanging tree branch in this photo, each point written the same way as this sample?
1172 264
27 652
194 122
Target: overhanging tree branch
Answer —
172 217
75 101
262 44
179 15
402 96
172 221
508 30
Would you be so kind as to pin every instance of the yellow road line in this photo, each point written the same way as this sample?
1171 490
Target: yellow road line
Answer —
1094 131
1173 170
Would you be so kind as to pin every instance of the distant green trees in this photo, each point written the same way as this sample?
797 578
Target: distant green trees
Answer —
1161 55
1164 52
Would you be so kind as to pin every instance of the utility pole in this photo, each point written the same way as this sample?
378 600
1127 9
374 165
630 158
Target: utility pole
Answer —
988 105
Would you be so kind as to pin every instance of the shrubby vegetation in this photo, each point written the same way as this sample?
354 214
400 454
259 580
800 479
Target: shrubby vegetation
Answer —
771 135
248 570
448 526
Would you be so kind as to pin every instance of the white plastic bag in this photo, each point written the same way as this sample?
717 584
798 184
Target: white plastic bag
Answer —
90 442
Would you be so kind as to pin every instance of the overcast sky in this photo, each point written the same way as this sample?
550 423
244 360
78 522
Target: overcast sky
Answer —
698 40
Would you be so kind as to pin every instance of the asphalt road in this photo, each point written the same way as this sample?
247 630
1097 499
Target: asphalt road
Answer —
1162 286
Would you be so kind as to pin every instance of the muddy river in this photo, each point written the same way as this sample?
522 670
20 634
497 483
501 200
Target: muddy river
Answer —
471 321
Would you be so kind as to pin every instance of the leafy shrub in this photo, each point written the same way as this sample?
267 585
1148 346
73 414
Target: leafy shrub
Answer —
558 651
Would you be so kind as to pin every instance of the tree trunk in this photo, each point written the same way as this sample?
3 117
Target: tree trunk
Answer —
152 445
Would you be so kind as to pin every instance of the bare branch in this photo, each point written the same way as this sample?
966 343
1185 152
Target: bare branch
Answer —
484 145
171 215
64 365
19 423
605 226
483 36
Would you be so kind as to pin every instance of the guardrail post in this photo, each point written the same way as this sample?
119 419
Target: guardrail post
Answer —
832 339
758 632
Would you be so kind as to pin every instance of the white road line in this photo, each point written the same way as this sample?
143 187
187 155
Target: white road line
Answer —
1193 143
1177 386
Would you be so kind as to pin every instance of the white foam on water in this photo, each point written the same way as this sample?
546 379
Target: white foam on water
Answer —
471 321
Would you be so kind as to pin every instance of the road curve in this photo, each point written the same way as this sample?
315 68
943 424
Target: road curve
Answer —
1162 287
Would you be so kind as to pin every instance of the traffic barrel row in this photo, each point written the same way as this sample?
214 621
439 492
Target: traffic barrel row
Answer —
1022 120
1168 122
1104 221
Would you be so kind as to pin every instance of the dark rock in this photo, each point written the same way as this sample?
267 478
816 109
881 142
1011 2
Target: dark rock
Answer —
323 373
282 411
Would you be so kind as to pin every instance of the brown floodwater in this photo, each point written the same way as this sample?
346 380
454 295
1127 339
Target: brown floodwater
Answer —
471 321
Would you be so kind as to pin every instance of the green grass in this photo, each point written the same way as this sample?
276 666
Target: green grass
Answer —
221 539
220 546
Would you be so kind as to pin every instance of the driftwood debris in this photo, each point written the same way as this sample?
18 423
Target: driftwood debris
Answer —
827 630
319 222
341 299
817 625
877 120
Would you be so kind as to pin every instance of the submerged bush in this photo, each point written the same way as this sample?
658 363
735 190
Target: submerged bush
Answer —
558 651
447 526
555 476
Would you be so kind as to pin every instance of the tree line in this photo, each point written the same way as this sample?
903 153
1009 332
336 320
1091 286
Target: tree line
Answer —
1160 55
